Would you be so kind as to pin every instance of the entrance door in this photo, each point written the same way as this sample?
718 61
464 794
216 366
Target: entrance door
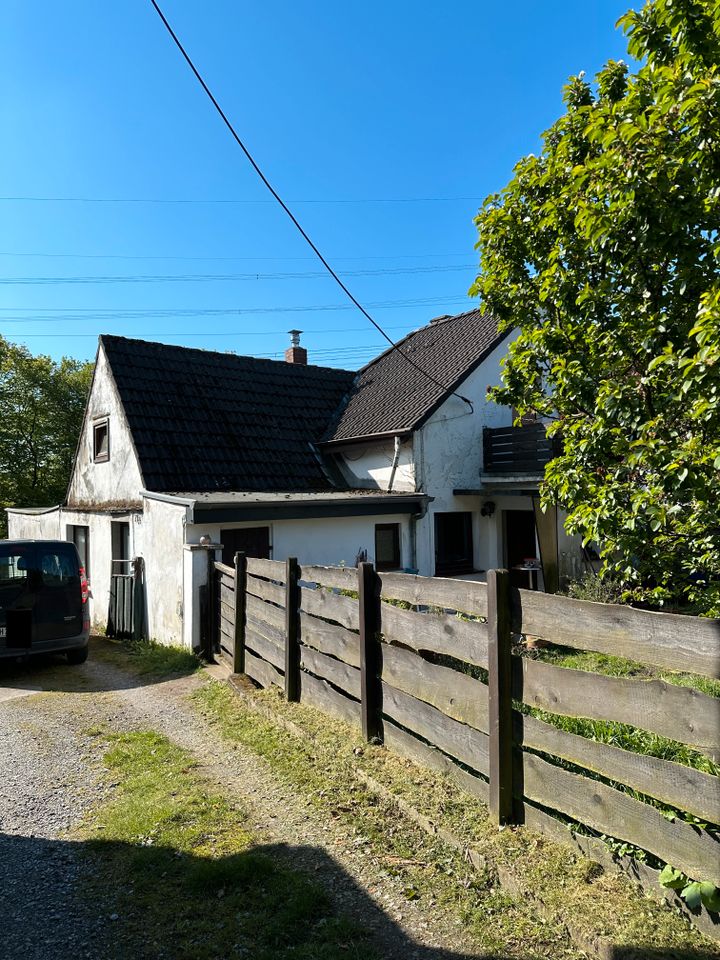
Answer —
252 541
453 544
520 543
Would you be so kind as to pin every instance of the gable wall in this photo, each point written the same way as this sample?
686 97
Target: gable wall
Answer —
118 480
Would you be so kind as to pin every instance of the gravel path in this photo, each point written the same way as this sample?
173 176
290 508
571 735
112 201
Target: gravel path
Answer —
50 779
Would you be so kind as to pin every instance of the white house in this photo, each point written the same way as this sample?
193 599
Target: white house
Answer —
287 459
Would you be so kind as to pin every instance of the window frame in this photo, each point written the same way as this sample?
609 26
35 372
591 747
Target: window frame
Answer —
396 562
99 424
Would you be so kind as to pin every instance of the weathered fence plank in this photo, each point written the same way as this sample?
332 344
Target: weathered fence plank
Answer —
680 713
224 568
270 569
463 639
265 648
273 634
262 671
331 606
669 640
683 787
265 612
226 595
456 739
341 578
330 638
265 590
409 746
338 673
454 693
611 812
318 693
465 595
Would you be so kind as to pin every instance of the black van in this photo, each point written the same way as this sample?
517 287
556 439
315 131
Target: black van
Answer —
43 599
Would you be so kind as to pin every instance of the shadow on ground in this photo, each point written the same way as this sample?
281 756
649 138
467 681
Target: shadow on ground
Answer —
114 901
110 666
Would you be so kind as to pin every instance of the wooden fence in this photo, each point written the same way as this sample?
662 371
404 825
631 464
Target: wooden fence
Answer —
426 665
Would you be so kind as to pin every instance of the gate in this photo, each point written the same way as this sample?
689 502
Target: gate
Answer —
125 615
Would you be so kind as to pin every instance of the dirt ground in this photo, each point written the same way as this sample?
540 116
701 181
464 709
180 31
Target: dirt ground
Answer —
51 779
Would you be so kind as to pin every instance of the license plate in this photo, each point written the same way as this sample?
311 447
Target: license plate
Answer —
3 633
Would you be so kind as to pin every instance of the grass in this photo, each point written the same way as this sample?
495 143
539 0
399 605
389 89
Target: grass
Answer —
148 657
574 891
185 878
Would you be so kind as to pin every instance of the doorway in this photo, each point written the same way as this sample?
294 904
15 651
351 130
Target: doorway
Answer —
453 544
252 541
519 543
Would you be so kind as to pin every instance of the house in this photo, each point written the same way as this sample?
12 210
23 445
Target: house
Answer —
182 448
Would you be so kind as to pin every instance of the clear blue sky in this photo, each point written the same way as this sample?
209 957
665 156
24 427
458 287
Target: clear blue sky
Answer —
368 101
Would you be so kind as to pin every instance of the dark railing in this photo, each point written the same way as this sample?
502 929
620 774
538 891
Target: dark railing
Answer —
517 449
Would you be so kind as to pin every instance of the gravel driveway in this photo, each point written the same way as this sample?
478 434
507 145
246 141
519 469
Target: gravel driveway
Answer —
51 778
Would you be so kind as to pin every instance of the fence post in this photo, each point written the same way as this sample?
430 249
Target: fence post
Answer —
292 625
370 682
239 625
210 609
500 696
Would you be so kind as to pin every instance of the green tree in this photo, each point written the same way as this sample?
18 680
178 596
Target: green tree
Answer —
604 251
41 411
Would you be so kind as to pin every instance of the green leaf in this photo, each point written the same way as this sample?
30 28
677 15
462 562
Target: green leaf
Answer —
710 895
692 895
672 878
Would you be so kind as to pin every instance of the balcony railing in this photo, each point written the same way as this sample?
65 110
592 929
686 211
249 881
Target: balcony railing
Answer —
517 449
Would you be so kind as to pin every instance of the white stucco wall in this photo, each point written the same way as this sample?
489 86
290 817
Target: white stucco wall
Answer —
328 542
160 544
118 479
371 464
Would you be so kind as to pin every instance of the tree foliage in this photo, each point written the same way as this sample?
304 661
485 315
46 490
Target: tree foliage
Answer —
604 252
41 411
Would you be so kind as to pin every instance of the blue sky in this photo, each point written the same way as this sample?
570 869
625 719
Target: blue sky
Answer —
353 102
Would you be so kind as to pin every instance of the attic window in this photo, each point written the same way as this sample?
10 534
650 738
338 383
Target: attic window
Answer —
101 440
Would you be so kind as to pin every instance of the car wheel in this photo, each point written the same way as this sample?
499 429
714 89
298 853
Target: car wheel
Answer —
76 657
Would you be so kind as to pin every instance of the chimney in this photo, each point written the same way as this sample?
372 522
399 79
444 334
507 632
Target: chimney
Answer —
295 353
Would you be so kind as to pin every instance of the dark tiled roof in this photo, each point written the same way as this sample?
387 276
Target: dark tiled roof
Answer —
390 395
206 421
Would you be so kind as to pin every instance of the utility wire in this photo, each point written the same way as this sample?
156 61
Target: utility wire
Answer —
160 200
150 256
287 210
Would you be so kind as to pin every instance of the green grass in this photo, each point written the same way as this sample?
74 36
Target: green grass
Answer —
148 657
178 866
319 767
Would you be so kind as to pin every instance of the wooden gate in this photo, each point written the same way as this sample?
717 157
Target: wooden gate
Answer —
125 613
225 610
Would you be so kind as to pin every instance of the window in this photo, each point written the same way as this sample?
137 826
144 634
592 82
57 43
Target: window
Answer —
80 536
58 567
453 544
387 546
101 440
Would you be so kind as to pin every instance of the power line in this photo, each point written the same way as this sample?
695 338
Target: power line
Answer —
139 256
287 210
233 277
231 200
60 314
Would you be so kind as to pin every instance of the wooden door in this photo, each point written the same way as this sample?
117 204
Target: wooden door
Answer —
520 543
252 541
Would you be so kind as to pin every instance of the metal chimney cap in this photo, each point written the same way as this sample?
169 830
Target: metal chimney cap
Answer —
295 337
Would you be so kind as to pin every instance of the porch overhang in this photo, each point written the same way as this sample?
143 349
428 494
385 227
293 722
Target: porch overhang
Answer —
251 506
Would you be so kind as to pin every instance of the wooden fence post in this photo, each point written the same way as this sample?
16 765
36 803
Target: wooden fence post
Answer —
370 625
211 608
292 631
500 696
239 625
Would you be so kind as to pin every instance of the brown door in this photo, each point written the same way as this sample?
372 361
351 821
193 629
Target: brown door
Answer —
252 541
520 543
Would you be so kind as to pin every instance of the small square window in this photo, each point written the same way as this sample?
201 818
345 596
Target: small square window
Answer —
101 441
387 546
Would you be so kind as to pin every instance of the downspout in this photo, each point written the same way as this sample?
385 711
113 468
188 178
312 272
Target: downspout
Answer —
396 457
413 532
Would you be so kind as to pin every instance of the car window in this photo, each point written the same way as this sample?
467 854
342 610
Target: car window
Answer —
13 567
58 567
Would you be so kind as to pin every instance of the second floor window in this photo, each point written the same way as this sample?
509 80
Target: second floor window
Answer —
101 440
